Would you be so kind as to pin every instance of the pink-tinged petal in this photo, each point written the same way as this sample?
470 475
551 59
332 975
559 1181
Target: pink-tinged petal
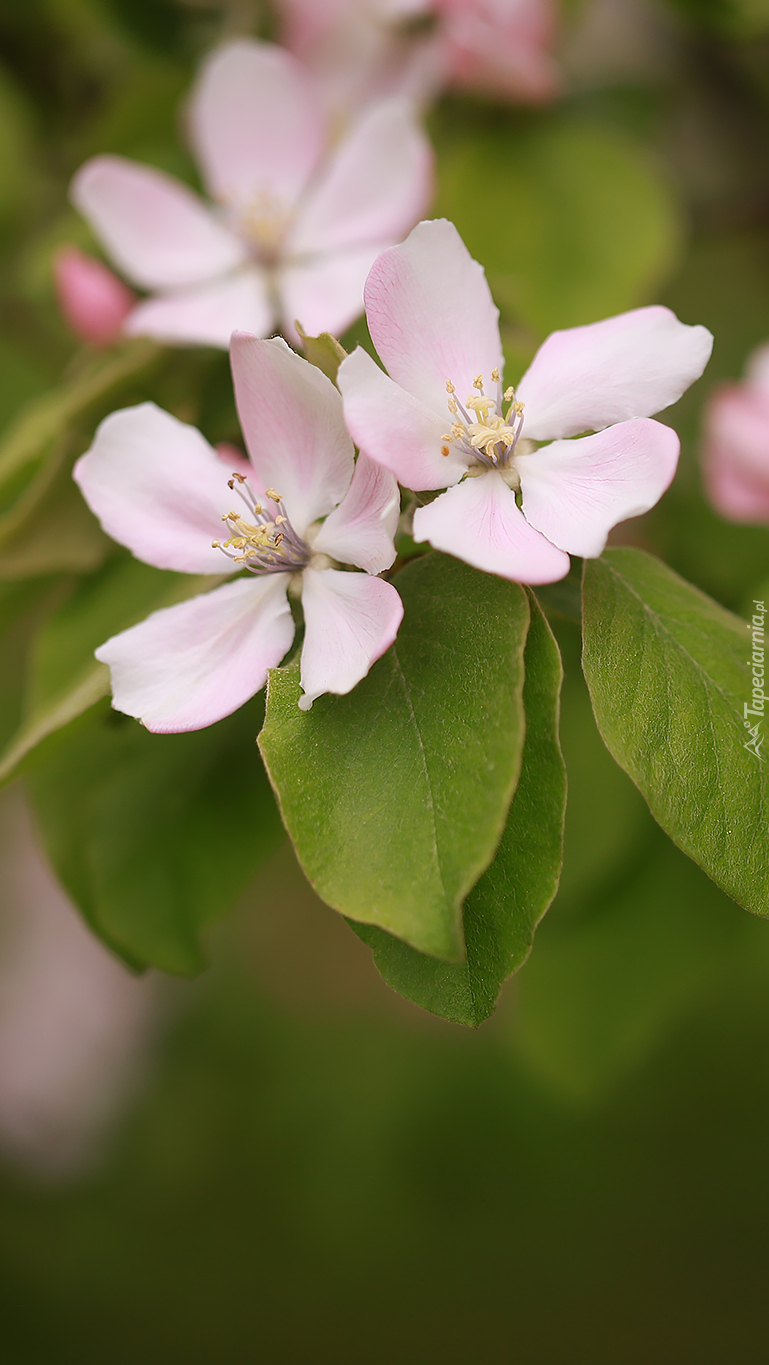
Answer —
293 425
255 124
575 491
396 429
325 293
94 302
187 666
361 529
155 229
206 316
375 188
480 522
632 365
736 453
431 315
157 486
350 620
501 47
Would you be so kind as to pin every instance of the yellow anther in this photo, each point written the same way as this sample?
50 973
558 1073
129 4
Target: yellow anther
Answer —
458 431
272 495
449 386
447 436
444 450
482 405
453 405
508 394
216 545
478 383
495 375
280 521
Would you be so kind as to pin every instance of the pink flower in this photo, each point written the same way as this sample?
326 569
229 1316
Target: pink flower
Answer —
159 488
94 302
736 450
434 424
293 236
361 49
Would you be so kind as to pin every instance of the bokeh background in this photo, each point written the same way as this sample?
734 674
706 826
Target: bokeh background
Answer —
282 1160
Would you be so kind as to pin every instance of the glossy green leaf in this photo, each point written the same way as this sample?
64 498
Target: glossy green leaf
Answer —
396 796
583 224
503 909
154 836
64 677
669 679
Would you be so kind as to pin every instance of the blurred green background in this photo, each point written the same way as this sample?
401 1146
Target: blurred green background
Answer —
313 1169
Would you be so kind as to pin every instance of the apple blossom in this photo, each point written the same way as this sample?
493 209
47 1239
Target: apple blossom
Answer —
359 49
159 488
435 326
93 301
293 236
736 445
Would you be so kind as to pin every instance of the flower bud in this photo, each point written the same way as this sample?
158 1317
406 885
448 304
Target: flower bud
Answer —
93 301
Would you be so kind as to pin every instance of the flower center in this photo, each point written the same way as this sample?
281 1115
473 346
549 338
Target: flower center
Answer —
265 542
493 436
263 223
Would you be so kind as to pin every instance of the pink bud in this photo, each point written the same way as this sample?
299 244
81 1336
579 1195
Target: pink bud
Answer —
94 302
736 445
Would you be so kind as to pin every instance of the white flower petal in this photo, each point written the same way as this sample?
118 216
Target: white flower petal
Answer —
431 315
374 188
361 529
158 487
632 365
350 620
255 124
208 315
293 425
575 491
325 293
187 666
479 521
155 229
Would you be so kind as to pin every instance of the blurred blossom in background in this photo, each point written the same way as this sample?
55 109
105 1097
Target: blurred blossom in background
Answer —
297 1164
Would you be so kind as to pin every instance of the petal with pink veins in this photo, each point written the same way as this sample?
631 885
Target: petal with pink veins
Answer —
292 421
255 124
325 293
350 620
480 522
431 315
360 530
375 187
187 666
155 229
157 486
206 316
396 429
575 491
632 365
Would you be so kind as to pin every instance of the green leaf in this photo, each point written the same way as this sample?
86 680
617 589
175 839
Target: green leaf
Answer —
65 679
154 836
323 351
50 528
504 908
583 223
669 678
396 796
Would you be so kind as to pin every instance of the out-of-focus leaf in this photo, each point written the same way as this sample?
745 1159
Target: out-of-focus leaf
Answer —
154 836
64 677
396 796
22 606
323 351
504 908
49 528
582 224
16 146
669 678
44 419
598 996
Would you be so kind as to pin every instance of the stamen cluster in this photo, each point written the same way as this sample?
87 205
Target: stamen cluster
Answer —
269 543
492 437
